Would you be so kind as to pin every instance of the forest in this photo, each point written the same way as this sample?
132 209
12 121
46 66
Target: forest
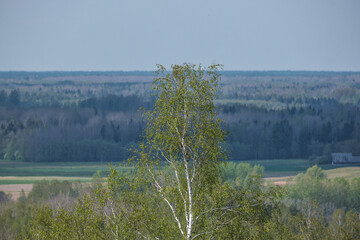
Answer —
177 184
95 116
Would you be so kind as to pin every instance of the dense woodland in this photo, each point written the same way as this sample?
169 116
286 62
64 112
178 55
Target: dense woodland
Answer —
94 116
176 185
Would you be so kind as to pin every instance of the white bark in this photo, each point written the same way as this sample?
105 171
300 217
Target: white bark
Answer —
189 224
190 217
159 189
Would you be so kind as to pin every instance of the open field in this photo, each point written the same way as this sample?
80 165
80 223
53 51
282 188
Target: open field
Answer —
345 172
15 189
32 179
22 175
273 168
14 185
25 172
286 167
58 170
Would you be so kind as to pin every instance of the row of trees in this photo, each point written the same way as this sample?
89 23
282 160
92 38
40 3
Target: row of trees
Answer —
260 134
289 115
69 135
111 125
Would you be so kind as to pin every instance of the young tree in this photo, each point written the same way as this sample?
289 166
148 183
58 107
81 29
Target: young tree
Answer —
184 135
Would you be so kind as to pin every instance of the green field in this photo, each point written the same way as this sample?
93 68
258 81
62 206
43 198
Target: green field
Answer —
286 167
345 172
87 169
25 172
32 179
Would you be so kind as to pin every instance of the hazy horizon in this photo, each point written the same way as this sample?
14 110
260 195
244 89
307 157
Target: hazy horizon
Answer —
111 35
274 72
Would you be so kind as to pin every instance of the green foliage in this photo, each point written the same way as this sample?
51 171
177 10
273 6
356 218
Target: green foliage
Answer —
127 207
315 173
226 212
97 178
179 167
314 186
82 222
45 190
310 222
184 113
352 225
14 216
184 133
240 173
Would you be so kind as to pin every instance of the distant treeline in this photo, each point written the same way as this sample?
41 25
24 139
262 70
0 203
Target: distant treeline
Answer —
103 129
91 116
40 75
45 74
116 103
97 130
313 132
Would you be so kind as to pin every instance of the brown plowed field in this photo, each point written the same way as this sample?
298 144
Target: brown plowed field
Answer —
15 189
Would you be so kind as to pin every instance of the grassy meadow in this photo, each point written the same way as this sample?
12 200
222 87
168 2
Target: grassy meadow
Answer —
27 173
285 167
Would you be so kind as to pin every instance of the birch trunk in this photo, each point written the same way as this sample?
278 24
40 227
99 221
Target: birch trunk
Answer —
189 224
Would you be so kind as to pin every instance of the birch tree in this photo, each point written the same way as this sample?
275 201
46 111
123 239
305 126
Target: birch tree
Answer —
185 138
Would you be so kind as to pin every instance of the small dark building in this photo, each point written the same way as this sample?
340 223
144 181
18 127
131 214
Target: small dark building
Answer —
344 158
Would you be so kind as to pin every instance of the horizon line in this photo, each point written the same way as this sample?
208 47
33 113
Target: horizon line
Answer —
130 71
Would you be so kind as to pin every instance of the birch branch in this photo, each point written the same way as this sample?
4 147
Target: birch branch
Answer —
159 189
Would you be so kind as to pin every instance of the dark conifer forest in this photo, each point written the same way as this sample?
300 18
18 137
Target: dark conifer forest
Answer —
94 116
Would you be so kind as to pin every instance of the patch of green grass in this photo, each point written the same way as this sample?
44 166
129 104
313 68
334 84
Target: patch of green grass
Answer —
32 181
339 172
273 168
286 167
345 172
63 169
17 181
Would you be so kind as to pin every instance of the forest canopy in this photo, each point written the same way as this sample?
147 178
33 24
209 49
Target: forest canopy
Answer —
67 116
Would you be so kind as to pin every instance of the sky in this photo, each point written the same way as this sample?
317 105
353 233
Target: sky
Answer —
127 35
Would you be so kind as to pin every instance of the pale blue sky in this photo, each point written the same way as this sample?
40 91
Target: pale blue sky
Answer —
42 35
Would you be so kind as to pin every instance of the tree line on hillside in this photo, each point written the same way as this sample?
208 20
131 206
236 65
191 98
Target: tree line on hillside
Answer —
103 129
313 132
94 116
